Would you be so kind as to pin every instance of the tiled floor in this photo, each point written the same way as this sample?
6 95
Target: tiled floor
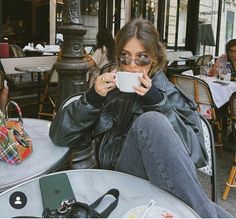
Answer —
224 161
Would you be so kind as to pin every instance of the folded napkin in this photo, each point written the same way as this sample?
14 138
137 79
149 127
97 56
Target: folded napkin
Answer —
52 48
88 49
29 48
39 47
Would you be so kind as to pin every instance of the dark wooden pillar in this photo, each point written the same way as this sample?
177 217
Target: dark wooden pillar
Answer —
192 25
161 18
117 15
102 14
218 28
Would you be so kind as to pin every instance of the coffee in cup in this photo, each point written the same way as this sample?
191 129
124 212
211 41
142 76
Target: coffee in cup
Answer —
126 81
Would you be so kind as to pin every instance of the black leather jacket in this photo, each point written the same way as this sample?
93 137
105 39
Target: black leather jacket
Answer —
78 123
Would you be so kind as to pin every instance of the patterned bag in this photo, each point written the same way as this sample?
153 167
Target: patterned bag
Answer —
15 144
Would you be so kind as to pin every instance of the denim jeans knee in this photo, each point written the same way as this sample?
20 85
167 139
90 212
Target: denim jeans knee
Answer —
151 120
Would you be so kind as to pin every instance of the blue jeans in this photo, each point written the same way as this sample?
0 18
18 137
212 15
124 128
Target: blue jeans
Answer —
153 151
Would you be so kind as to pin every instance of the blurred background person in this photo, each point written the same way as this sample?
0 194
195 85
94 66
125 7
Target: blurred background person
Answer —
104 53
228 56
4 97
221 63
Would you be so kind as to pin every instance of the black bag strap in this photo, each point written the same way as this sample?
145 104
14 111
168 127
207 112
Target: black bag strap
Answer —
110 208
83 210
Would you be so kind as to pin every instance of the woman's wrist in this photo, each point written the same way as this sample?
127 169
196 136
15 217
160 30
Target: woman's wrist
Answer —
94 98
153 96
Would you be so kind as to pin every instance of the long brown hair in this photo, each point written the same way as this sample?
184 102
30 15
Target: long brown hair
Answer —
105 38
144 31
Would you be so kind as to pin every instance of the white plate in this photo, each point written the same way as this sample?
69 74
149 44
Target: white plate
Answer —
155 212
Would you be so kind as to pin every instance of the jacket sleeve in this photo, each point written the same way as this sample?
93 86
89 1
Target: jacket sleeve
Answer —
73 123
181 112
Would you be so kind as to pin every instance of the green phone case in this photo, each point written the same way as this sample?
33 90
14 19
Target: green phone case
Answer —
54 189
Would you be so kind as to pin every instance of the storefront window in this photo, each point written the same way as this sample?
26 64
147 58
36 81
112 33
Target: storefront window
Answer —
89 7
152 9
145 8
229 26
170 22
59 10
208 16
137 8
182 24
175 23
89 15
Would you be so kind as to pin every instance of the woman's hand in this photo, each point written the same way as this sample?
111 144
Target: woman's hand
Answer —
105 83
146 84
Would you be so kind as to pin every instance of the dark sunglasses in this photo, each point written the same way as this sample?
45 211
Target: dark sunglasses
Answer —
125 60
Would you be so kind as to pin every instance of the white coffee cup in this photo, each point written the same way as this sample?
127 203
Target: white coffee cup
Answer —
126 81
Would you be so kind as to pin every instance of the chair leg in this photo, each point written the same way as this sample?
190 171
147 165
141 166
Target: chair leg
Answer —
45 97
230 183
218 134
42 102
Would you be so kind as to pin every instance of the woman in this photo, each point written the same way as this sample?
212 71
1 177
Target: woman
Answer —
228 56
103 54
220 64
146 133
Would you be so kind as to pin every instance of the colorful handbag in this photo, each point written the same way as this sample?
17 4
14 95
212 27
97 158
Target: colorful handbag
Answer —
15 143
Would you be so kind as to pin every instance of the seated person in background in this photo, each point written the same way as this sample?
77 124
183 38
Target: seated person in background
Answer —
154 133
4 98
228 56
104 53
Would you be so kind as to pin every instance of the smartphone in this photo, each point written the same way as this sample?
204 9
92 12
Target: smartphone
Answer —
54 189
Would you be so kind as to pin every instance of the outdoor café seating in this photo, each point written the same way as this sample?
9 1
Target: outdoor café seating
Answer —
16 51
48 96
25 88
202 60
199 91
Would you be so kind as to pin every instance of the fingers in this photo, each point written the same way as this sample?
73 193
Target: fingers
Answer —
141 90
105 83
146 84
146 81
107 78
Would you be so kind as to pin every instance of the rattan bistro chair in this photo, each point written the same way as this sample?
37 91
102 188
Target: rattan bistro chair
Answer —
16 51
199 91
49 95
232 117
202 60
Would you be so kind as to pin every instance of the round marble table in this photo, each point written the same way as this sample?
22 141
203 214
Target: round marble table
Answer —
90 184
45 158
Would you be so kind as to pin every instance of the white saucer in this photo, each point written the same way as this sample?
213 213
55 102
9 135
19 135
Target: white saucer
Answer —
155 212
